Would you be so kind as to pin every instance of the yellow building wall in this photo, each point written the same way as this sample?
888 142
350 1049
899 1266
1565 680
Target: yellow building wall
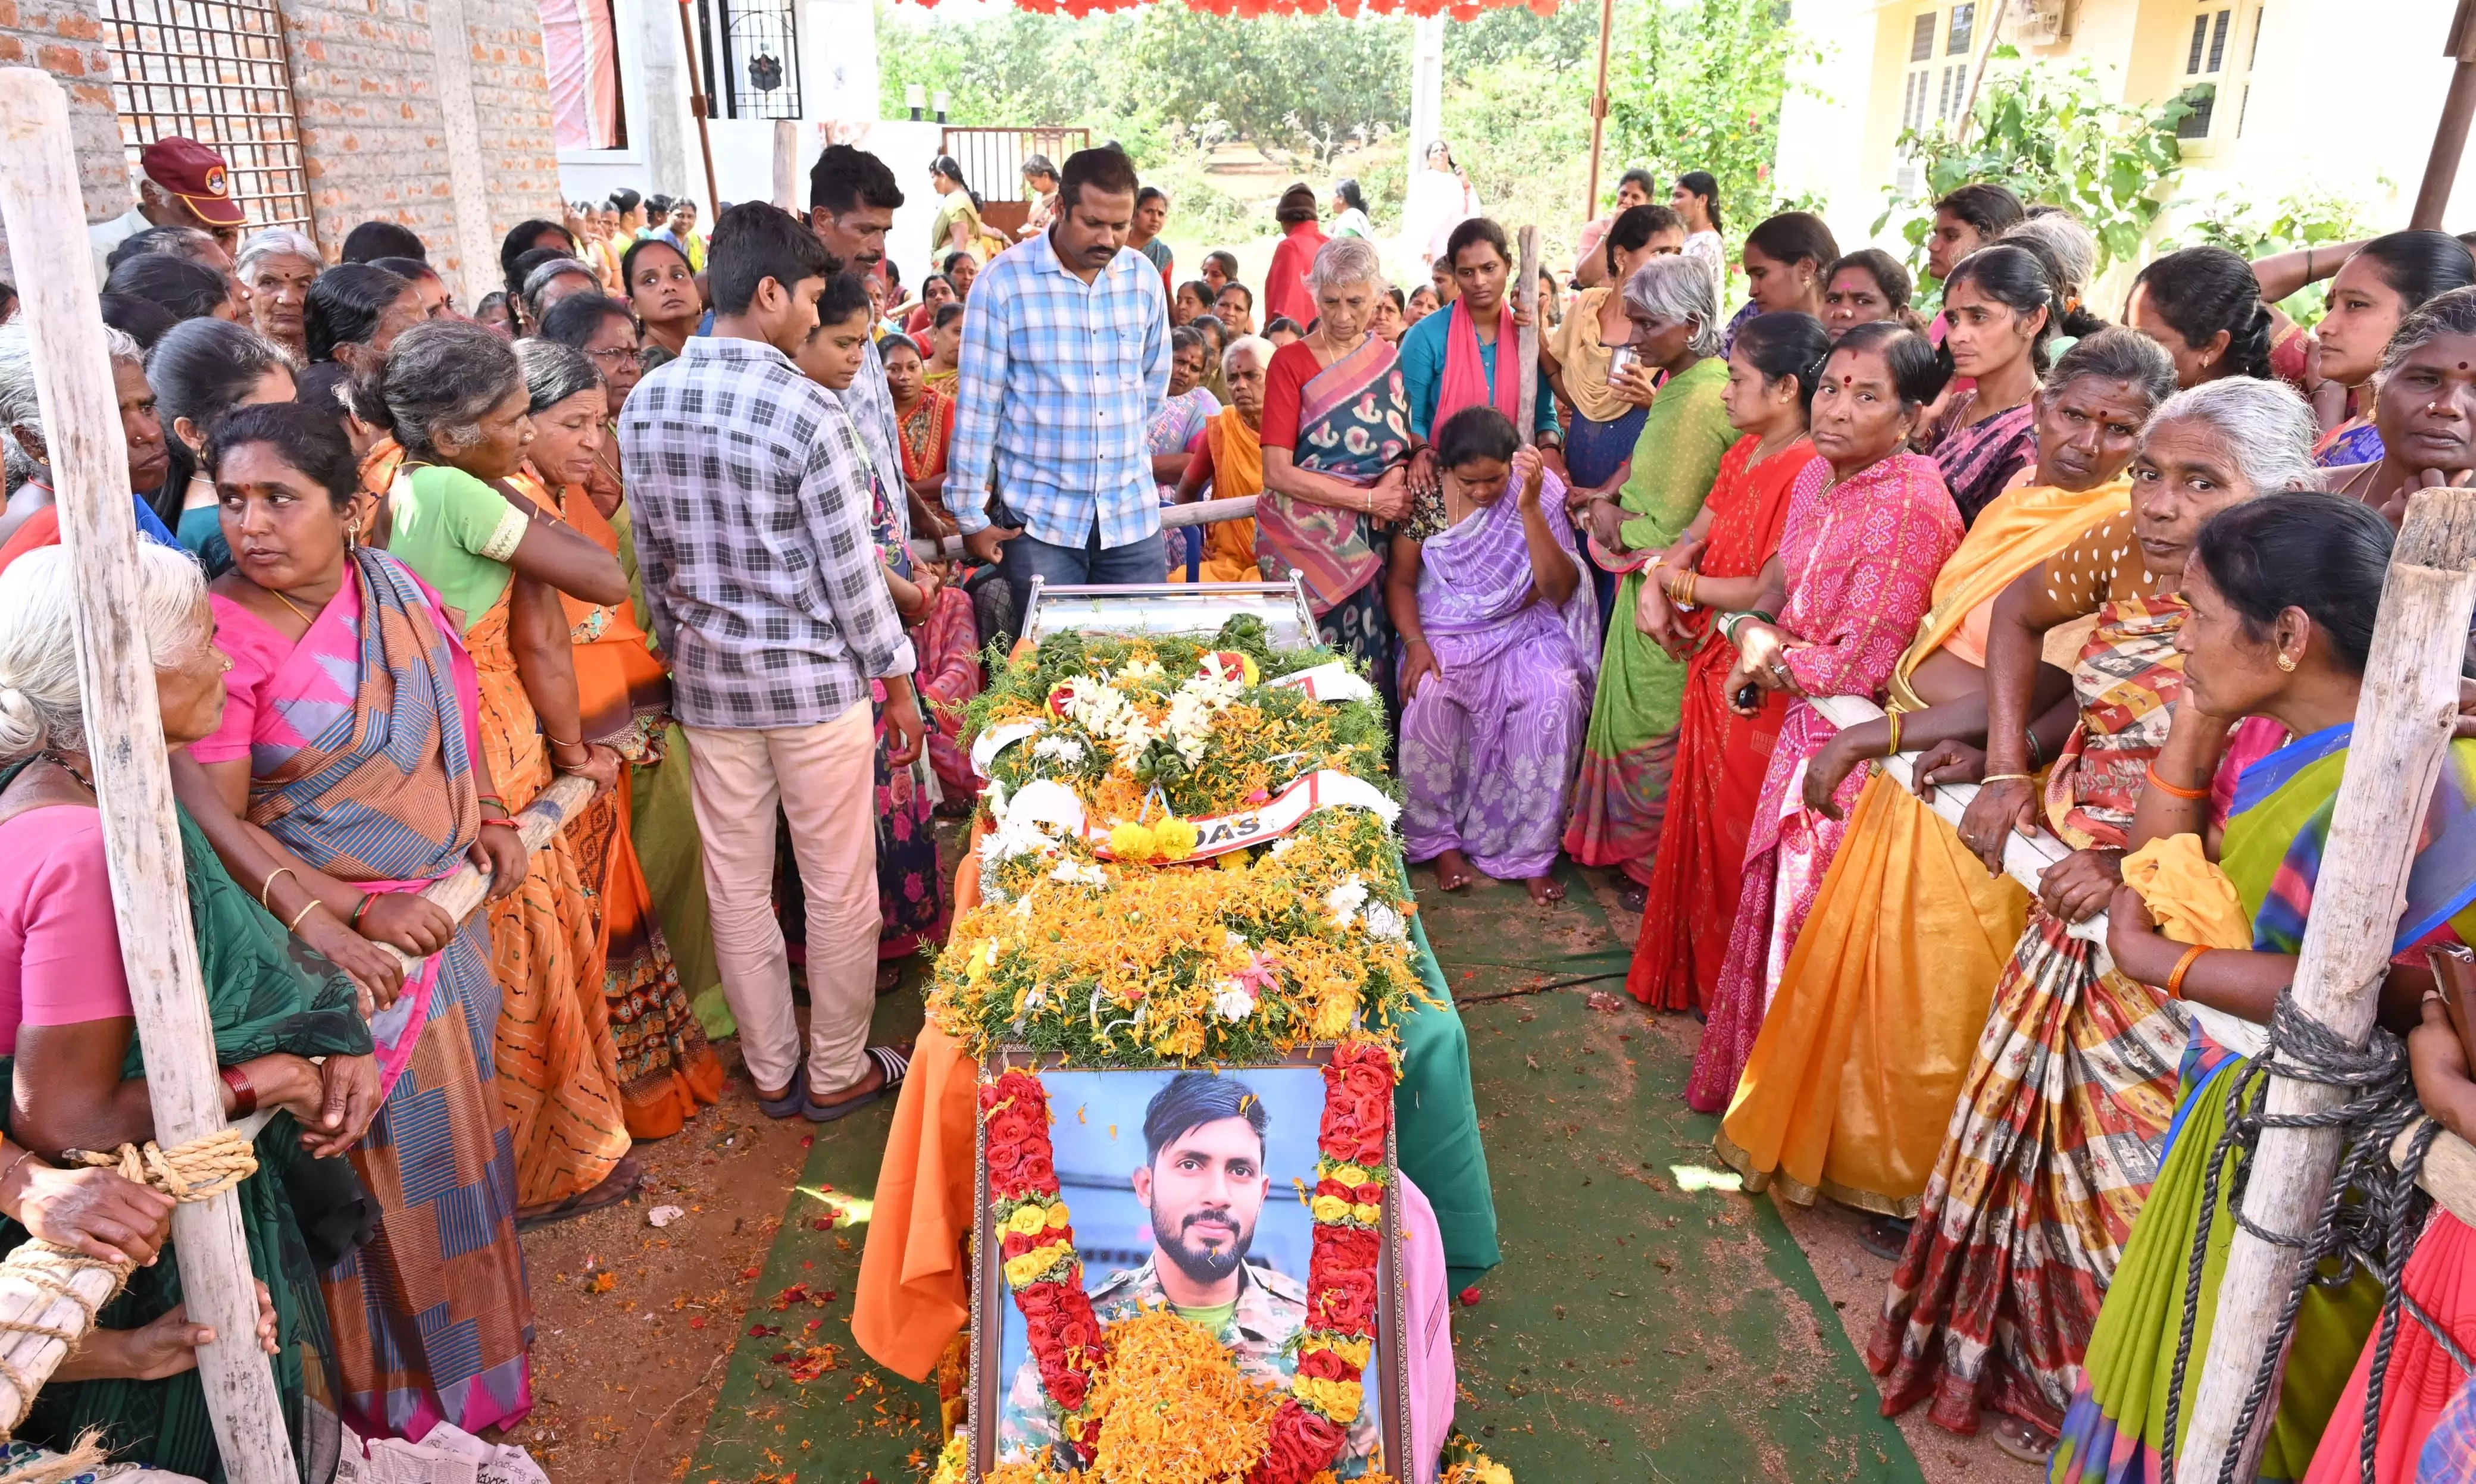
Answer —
2312 59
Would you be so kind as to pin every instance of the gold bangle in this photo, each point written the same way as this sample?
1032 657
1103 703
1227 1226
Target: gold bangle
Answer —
269 885
2183 966
294 925
2006 777
1892 720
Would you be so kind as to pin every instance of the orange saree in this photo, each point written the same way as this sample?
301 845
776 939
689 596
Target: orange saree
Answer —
667 1068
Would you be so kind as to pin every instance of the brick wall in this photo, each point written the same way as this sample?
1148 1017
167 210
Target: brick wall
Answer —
371 141
65 38
363 76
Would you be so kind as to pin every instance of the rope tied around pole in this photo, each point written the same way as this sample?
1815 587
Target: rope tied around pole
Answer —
199 1170
2375 1232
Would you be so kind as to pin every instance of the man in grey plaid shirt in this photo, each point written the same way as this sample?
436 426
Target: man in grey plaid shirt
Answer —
751 503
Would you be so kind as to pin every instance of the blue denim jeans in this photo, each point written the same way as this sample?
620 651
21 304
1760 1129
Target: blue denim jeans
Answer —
1028 556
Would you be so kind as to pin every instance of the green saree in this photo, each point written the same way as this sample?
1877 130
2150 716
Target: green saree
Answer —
266 995
1622 797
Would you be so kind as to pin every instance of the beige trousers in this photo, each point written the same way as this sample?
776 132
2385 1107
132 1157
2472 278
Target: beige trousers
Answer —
825 779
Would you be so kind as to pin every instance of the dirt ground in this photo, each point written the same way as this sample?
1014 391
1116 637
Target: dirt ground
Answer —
635 1322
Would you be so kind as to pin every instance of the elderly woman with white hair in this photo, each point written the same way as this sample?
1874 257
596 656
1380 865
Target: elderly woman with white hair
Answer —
1336 440
278 267
2065 1109
1620 800
1226 459
75 1071
29 520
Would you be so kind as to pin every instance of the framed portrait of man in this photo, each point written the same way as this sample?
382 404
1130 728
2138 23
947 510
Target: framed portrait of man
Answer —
1189 1190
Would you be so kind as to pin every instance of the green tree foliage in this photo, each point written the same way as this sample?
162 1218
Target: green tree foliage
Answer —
1695 85
2051 136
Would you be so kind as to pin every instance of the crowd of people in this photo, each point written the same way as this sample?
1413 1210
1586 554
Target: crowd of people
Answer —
658 513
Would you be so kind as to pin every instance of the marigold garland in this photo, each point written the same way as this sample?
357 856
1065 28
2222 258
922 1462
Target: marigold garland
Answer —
1109 1389
1137 960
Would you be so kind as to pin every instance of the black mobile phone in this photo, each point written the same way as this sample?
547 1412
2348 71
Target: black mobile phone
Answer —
1748 695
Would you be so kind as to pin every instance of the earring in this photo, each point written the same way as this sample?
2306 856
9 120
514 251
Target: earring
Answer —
2286 661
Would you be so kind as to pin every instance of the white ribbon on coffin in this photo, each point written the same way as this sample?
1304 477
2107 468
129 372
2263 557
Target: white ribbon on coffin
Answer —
1048 801
1329 683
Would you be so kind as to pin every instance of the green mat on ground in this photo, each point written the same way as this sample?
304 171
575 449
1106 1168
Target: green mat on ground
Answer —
1648 1323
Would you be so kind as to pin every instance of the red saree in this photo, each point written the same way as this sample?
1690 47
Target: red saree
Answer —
1719 756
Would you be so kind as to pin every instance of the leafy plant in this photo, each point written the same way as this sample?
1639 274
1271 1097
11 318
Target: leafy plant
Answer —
2051 136
2307 218
1695 85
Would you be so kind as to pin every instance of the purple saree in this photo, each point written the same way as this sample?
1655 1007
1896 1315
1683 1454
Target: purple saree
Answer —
1488 743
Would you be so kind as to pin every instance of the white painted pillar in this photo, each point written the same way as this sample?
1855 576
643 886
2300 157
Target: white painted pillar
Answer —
468 178
1427 85
667 123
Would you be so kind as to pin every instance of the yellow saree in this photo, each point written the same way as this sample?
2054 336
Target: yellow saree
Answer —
1850 1085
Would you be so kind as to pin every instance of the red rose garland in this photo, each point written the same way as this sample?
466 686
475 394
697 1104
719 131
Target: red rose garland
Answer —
1037 1255
1036 1250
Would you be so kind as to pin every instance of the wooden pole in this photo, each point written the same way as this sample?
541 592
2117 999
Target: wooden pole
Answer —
1977 72
786 167
1527 294
702 108
2450 134
44 216
1598 110
2402 728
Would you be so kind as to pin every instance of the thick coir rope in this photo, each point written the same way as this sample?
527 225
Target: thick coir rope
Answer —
196 1170
2375 1230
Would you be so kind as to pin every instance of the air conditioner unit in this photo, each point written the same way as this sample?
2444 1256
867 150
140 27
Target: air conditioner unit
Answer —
2044 22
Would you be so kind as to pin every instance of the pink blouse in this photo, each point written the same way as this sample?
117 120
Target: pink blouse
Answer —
59 945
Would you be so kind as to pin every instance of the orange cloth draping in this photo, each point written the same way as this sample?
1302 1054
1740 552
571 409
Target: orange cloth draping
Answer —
914 1292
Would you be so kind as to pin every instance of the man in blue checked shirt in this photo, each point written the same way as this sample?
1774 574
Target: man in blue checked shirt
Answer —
1065 355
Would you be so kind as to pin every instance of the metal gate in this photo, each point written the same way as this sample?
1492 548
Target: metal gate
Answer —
213 71
992 162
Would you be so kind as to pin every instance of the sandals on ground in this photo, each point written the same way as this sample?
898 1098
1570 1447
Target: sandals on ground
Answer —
893 1061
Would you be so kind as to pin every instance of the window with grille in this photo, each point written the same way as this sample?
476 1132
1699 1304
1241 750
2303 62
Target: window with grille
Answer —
756 52
1936 86
213 71
2217 63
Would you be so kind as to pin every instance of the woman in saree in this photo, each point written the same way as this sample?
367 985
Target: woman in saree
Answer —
69 1052
1175 424
1500 636
1335 438
1868 524
2422 403
661 814
454 396
2421 1377
1720 755
1998 312
1582 359
1225 461
1851 1084
309 788
2283 595
2380 283
666 1069
948 643
2051 1144
1622 796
